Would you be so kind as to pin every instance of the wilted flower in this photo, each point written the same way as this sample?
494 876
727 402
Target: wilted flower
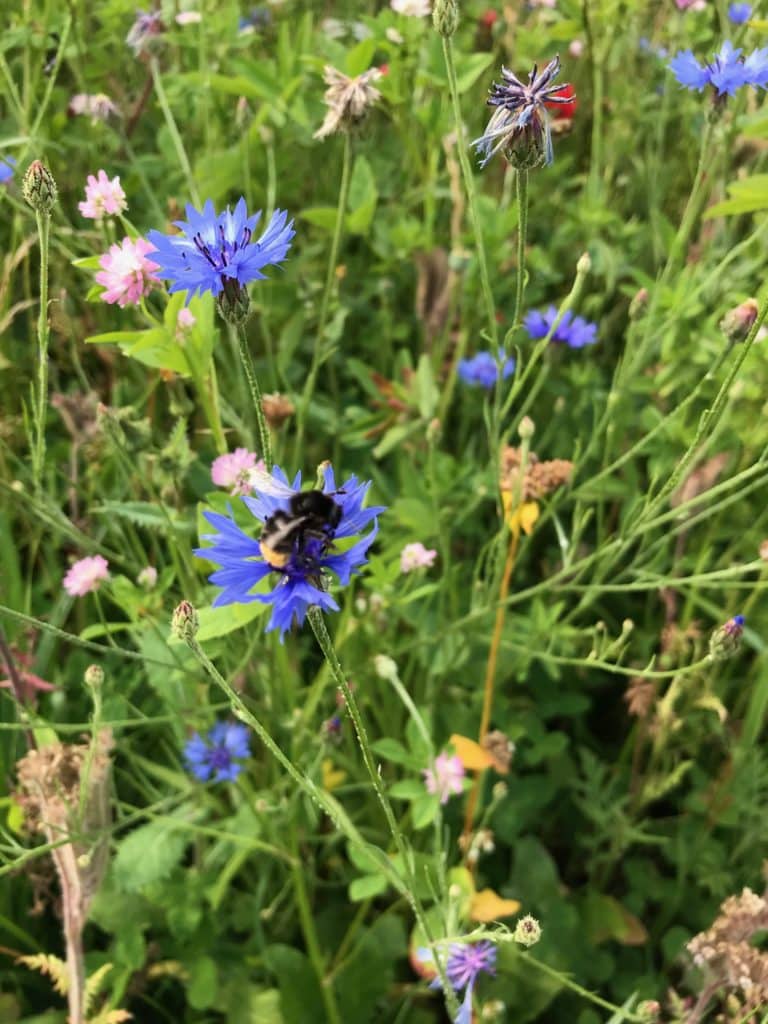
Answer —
445 777
86 575
519 127
126 273
416 556
576 332
7 165
216 252
483 370
102 195
739 13
97 106
348 100
413 8
737 322
147 26
301 574
233 470
727 72
220 754
277 409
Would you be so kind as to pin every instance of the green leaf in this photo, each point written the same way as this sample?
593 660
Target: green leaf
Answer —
204 984
148 855
359 57
320 216
392 750
216 622
299 990
424 810
146 514
366 887
748 195
469 67
407 789
363 196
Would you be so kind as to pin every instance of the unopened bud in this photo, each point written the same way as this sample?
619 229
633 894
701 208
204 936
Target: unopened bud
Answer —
639 304
94 676
649 1010
526 428
185 622
39 188
584 264
147 578
445 17
234 303
494 1010
434 430
726 640
737 323
386 667
527 931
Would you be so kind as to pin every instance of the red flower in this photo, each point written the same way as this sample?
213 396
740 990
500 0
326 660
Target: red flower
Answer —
564 110
489 18
384 69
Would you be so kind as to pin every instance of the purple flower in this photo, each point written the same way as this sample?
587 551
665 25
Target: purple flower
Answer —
727 72
483 370
216 250
576 332
219 754
307 546
7 165
739 13
466 961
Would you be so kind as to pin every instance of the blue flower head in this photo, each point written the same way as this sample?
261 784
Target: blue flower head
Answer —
519 126
466 961
214 252
7 165
220 754
301 573
576 332
483 370
727 73
739 13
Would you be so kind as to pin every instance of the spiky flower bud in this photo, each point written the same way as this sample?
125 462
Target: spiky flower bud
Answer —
39 188
445 17
185 622
527 931
94 676
726 639
737 322
234 303
639 304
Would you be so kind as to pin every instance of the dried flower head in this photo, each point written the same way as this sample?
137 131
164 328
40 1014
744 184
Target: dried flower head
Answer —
500 748
640 696
539 478
98 106
277 409
348 100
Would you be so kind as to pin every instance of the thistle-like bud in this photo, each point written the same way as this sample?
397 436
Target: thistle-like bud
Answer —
527 931
185 622
94 677
649 1010
445 17
234 303
39 188
639 304
737 322
726 639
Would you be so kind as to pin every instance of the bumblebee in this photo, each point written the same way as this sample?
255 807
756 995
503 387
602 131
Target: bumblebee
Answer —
311 515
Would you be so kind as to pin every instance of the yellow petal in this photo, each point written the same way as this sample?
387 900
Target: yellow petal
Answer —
331 777
488 906
471 754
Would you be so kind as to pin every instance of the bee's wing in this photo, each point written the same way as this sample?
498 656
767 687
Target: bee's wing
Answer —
262 481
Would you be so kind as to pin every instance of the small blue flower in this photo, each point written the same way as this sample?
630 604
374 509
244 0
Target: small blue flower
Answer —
214 250
739 13
519 126
576 332
466 961
483 370
727 72
301 581
7 165
219 754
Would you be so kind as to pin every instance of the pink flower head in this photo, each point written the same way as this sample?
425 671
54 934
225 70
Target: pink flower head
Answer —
691 5
86 575
31 684
233 470
185 321
446 777
126 272
416 556
98 106
147 578
189 18
102 196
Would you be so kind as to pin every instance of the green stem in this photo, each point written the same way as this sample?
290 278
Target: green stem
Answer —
319 352
317 622
522 229
310 934
41 402
469 184
583 992
253 386
178 142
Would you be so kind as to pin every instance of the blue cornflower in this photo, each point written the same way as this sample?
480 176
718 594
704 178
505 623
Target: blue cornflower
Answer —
219 754
215 252
482 369
466 960
727 72
739 13
519 126
7 165
576 332
307 546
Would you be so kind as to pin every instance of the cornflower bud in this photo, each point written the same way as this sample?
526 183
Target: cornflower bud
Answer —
445 17
526 428
94 676
737 322
185 622
234 303
527 931
39 188
726 640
